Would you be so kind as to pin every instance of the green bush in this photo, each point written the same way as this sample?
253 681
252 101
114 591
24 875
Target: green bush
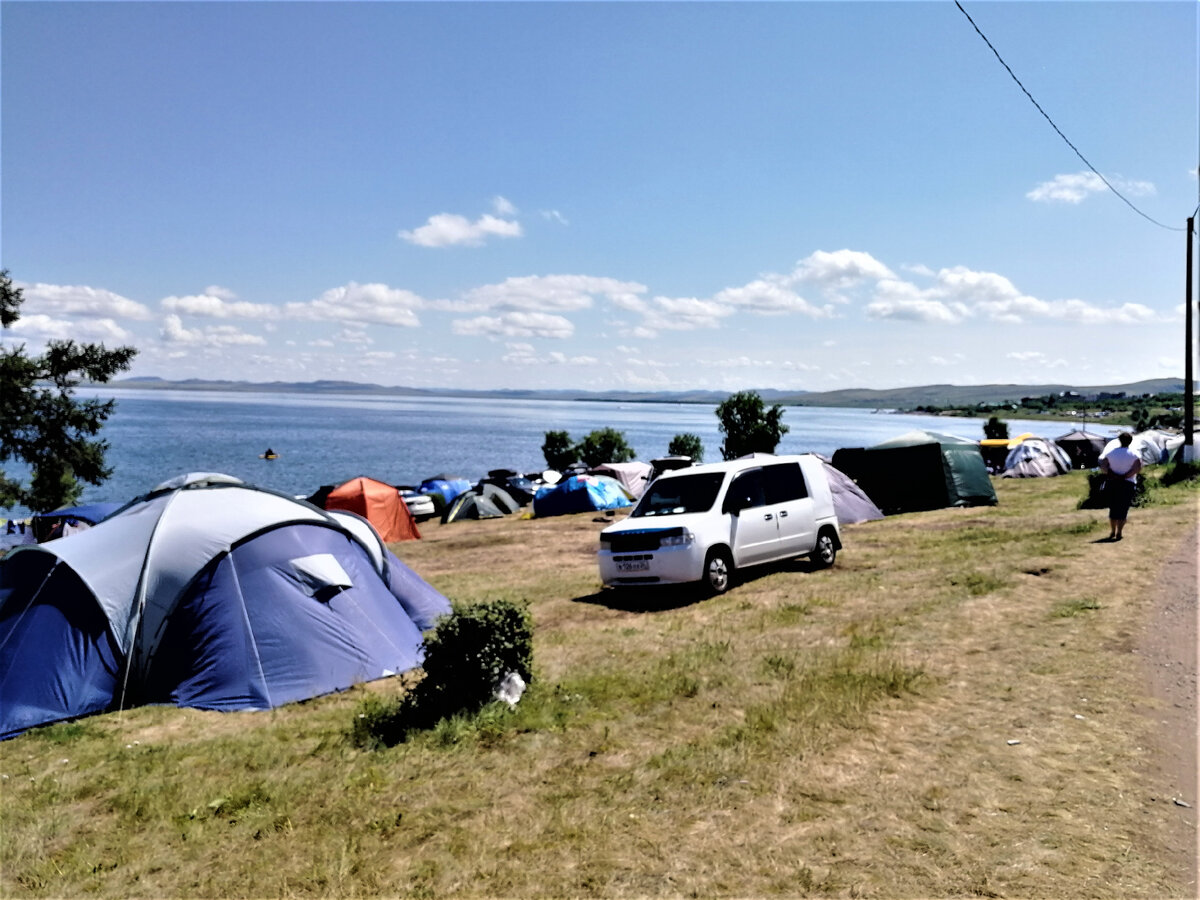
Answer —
1143 494
467 655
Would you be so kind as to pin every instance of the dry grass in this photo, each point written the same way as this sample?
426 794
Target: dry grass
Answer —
829 733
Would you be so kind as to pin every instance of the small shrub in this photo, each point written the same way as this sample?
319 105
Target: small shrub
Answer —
467 655
1143 494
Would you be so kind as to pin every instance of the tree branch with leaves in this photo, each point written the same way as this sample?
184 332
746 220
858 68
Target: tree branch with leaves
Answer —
42 423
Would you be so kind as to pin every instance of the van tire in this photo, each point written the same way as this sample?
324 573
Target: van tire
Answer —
825 553
718 571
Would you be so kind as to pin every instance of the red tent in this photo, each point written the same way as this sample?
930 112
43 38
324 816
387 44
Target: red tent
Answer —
378 503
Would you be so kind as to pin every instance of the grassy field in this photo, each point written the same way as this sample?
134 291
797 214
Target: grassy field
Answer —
952 710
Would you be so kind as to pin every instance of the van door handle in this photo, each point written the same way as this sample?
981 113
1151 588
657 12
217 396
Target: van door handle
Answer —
767 517
783 514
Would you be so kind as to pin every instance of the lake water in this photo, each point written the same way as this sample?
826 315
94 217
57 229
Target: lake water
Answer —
327 439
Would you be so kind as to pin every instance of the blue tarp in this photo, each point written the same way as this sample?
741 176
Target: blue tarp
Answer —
449 488
580 493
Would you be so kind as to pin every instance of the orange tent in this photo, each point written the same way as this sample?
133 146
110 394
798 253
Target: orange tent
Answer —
378 503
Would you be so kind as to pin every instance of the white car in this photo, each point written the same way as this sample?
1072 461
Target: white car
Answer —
702 523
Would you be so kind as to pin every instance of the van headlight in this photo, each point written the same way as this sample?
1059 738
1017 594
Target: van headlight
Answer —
681 538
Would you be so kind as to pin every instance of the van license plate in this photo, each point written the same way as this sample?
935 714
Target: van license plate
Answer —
640 565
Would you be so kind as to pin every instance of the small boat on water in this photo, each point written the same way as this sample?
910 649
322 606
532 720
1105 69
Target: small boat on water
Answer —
270 454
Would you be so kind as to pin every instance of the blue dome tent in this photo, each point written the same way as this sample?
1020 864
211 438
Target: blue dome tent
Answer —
580 493
205 592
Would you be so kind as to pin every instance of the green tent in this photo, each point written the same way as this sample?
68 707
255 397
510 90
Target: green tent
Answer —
919 470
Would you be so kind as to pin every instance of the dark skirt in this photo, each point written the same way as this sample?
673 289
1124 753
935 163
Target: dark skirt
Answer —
1120 498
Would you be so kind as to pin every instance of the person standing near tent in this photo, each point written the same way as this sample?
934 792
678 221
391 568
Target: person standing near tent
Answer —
1121 466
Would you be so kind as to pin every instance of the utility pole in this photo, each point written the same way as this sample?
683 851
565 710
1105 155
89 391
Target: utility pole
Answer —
1189 417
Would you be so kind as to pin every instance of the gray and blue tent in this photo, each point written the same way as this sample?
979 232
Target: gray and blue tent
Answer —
206 592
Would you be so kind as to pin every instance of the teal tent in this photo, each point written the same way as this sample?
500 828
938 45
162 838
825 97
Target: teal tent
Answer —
919 470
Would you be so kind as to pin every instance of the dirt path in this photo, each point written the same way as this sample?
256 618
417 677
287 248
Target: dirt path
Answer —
1167 648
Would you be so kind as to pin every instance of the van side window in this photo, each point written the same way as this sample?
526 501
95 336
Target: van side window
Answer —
746 491
784 482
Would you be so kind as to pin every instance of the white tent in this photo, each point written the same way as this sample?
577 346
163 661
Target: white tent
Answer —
1036 457
1147 450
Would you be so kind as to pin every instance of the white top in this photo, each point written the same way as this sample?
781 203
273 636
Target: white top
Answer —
1121 461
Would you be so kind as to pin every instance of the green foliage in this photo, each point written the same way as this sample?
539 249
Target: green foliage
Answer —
41 423
748 426
686 444
1179 472
558 450
467 655
1097 497
604 445
995 429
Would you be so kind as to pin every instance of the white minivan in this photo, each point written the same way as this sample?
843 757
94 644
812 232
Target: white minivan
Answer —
702 523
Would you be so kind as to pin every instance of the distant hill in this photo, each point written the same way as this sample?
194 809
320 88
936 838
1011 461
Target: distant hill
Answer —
947 395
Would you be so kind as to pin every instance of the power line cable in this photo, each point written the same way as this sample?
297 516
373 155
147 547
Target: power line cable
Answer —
1056 128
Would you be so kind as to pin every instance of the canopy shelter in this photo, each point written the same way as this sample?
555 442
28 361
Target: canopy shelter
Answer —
380 504
919 470
205 592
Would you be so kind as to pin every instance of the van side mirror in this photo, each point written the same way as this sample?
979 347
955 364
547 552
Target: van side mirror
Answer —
733 505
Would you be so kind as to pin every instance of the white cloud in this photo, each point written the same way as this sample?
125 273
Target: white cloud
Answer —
548 293
502 206
218 303
959 293
40 327
902 300
353 336
1077 187
79 300
770 297
840 269
365 304
516 324
450 230
681 314
173 332
553 215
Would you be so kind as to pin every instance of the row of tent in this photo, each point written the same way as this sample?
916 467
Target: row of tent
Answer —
205 592
1029 456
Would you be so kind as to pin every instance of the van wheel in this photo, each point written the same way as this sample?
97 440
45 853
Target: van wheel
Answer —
825 552
718 571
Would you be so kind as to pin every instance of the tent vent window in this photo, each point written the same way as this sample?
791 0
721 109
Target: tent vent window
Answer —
321 576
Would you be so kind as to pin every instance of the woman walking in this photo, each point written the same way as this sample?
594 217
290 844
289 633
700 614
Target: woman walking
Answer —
1121 466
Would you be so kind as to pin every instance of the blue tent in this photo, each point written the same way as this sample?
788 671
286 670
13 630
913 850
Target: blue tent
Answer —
44 523
580 493
449 486
207 593
91 513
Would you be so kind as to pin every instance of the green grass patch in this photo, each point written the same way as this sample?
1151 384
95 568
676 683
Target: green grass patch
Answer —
1070 608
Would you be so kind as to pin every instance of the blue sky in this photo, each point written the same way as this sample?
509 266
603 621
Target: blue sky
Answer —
647 196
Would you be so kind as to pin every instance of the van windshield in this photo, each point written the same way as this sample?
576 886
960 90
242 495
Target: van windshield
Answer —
683 494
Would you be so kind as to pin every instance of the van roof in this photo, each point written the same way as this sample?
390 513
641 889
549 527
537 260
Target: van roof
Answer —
735 465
